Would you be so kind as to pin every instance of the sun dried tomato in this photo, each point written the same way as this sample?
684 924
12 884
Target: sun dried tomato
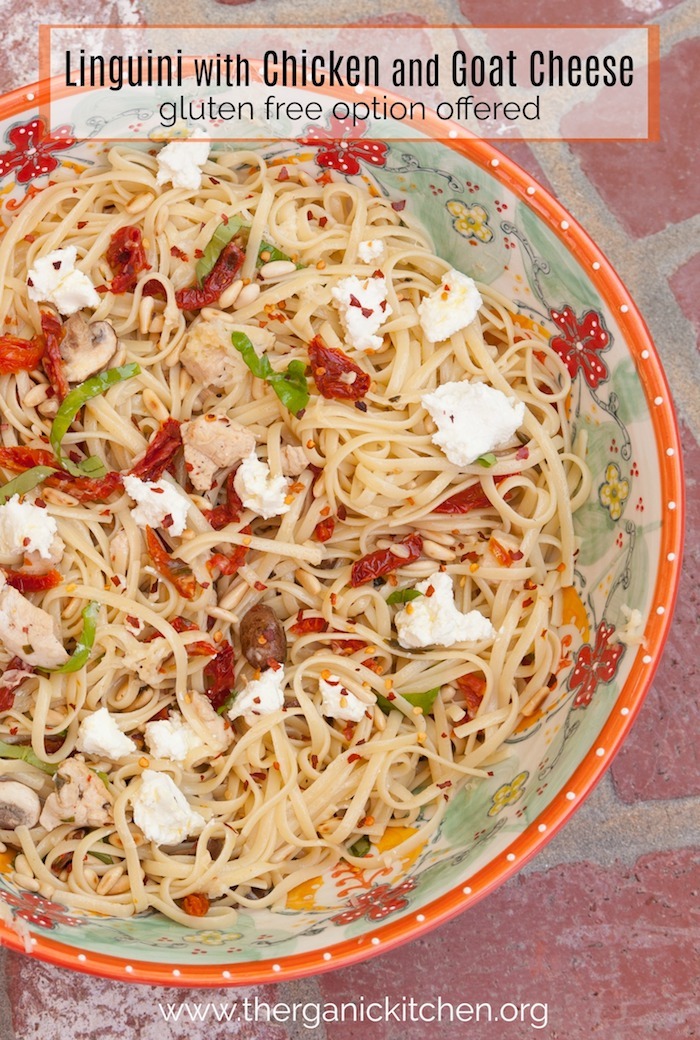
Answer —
14 675
25 582
196 904
85 489
501 555
329 365
324 529
52 360
176 571
160 452
230 511
473 686
219 675
303 625
127 258
219 278
382 561
473 497
20 355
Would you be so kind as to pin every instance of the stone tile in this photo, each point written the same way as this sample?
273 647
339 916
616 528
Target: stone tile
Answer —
610 951
554 12
661 757
649 185
684 283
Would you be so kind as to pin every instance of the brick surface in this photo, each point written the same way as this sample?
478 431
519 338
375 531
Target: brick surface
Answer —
685 283
584 940
661 758
84 1008
660 185
554 12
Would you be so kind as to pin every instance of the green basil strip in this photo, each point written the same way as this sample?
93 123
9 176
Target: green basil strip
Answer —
24 482
71 405
424 700
218 241
228 703
102 856
361 847
291 386
26 754
79 657
275 254
403 596
487 460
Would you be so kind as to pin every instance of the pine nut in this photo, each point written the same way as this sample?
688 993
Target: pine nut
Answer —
145 314
436 552
230 295
277 269
48 408
140 202
154 405
36 395
109 879
247 295
307 581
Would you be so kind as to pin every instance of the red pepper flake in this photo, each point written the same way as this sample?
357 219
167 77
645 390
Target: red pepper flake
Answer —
322 221
354 757
81 224
313 759
30 238
198 253
259 586
179 254
196 904
528 602
324 529
446 783
224 217
530 585
515 554
342 511
399 205
214 180
283 175
523 453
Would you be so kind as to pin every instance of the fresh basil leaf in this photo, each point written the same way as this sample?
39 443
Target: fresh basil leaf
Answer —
424 700
102 856
274 254
291 386
361 847
105 780
80 656
403 596
487 460
228 703
218 241
24 482
26 754
71 405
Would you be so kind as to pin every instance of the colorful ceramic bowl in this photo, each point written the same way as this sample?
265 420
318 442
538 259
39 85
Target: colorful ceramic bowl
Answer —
491 219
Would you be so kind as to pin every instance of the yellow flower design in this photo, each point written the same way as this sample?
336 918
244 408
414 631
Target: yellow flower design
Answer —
614 491
212 937
470 221
508 793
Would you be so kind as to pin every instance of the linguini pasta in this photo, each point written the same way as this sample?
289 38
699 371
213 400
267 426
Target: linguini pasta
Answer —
283 795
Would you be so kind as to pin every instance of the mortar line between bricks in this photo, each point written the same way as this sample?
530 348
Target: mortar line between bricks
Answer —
649 827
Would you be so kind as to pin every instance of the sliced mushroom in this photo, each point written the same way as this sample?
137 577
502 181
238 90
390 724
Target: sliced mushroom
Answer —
86 348
19 805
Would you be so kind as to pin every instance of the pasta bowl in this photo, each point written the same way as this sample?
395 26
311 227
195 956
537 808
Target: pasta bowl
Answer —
490 219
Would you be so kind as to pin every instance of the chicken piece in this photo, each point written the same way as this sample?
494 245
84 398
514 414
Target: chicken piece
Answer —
80 798
213 442
86 348
294 460
220 733
147 659
210 357
28 632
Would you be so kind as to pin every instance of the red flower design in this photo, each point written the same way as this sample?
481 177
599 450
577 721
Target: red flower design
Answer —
33 147
581 342
594 665
36 910
376 904
339 148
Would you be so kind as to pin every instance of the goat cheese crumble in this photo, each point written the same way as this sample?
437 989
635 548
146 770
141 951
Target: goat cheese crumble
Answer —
472 419
339 703
99 734
25 527
362 308
453 306
433 619
370 250
156 502
54 279
180 162
260 696
162 812
259 490
172 738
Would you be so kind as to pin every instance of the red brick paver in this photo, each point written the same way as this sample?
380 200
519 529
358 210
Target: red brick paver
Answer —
686 287
613 952
556 12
